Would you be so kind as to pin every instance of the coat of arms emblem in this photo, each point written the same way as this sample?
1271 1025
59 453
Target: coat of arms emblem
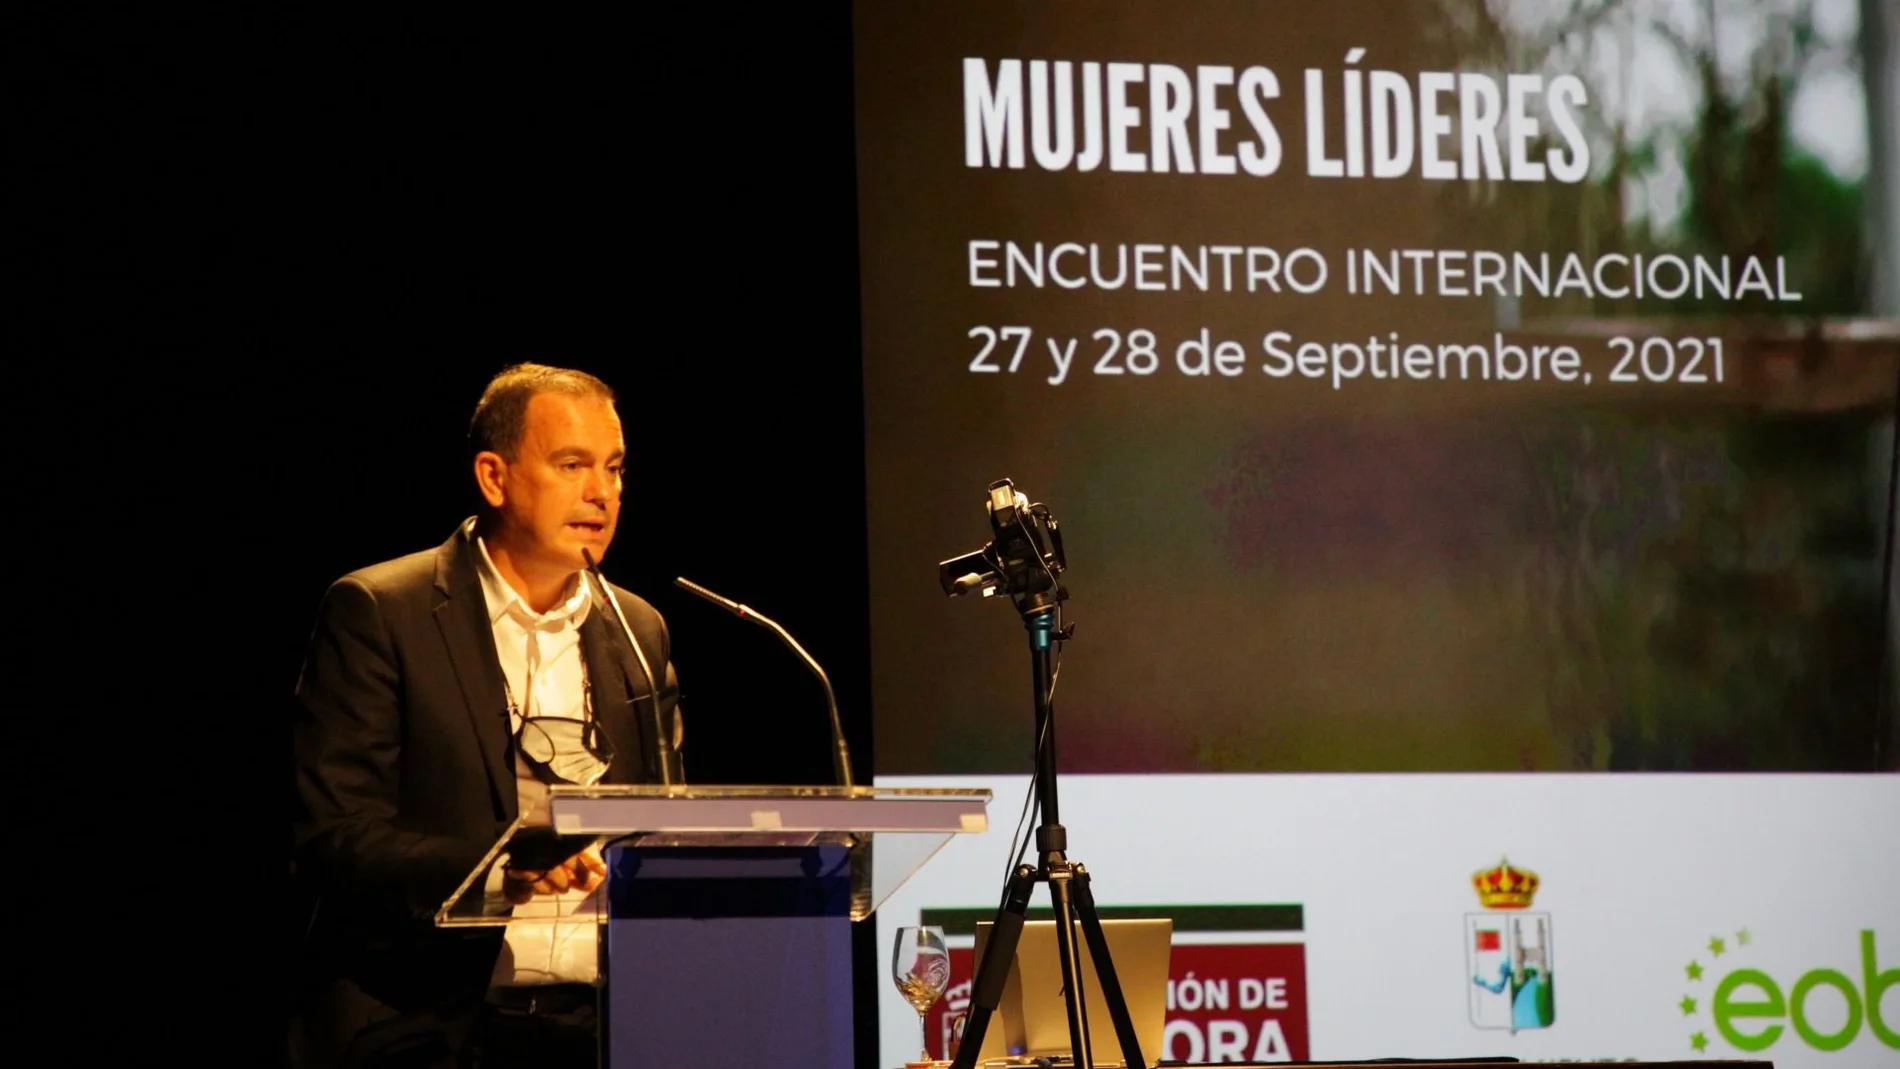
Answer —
1508 953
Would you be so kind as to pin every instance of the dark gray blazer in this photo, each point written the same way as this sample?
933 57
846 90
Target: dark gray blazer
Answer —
405 767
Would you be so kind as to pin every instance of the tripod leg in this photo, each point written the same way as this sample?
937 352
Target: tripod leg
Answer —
1105 968
1061 891
986 988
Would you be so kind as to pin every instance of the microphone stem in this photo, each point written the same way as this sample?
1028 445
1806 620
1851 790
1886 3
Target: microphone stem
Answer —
663 745
841 755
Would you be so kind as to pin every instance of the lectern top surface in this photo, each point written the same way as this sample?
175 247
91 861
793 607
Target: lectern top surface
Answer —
889 832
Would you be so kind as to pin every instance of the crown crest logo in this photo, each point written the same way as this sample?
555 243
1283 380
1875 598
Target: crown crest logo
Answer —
1505 886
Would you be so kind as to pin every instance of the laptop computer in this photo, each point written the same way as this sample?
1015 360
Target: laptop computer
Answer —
1032 1020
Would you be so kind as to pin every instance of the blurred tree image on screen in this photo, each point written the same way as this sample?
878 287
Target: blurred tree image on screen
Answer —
1714 575
1706 586
1639 577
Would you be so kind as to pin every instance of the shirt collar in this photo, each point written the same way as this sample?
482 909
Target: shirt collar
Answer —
504 600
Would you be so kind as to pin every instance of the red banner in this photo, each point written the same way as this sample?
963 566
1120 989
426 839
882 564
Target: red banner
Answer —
1227 1002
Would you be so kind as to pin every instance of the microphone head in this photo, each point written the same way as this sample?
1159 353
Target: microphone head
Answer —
972 581
592 564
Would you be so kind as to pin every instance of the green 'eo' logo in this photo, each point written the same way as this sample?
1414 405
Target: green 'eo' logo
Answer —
1750 1007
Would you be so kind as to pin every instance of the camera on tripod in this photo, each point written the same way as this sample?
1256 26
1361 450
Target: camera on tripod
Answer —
1023 559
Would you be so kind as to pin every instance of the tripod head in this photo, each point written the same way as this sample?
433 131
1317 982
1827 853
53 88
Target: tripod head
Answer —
1024 558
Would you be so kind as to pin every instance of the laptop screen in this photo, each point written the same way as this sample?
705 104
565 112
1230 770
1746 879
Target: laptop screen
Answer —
1032 1020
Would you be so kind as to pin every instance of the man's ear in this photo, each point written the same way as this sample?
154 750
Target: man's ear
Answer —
490 473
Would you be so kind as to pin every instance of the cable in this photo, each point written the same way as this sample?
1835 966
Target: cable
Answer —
1031 805
1041 511
1031 808
1019 842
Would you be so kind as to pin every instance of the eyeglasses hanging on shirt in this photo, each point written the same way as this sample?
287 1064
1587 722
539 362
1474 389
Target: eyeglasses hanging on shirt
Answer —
561 749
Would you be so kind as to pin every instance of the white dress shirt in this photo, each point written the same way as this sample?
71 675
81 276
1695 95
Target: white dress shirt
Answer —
540 657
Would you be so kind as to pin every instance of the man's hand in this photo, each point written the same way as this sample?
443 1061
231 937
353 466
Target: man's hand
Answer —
584 871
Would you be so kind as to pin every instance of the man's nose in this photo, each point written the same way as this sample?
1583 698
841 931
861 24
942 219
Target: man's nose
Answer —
599 488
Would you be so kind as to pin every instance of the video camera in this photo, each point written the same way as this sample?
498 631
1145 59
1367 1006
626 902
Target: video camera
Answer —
1023 559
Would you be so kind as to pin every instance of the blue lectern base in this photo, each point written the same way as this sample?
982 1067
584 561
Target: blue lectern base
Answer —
728 956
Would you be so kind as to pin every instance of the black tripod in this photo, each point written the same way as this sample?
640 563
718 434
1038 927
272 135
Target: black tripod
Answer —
1007 561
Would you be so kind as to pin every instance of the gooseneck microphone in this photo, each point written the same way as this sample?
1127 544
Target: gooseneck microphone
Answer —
841 755
662 738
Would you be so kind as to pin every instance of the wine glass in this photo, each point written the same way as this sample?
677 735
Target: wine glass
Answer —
921 966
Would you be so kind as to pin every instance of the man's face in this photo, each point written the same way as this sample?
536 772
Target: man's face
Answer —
562 490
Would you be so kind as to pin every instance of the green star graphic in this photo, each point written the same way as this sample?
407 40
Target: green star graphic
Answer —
1694 970
1742 937
1699 1041
1716 946
1688 1005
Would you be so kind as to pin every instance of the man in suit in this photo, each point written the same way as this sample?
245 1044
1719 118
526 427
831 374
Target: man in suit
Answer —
441 695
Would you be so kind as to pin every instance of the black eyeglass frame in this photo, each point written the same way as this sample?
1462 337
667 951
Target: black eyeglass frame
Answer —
594 737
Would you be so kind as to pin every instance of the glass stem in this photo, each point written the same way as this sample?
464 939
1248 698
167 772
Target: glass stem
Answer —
923 1029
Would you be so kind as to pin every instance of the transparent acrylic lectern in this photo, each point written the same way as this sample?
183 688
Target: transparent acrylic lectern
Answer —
723 933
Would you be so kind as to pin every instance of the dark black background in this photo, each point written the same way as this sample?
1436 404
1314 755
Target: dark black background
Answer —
271 259
675 216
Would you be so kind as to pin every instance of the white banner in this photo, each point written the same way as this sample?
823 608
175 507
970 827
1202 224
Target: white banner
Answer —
1647 916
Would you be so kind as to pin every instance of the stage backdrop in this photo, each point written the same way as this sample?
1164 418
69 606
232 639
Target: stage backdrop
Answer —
1471 425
